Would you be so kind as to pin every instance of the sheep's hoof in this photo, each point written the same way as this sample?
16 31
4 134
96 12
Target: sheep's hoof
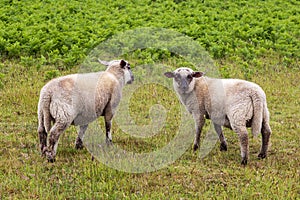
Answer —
262 155
196 146
109 142
51 160
44 150
78 144
244 161
223 147
50 157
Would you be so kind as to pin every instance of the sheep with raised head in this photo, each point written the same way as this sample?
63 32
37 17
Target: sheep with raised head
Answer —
79 99
233 103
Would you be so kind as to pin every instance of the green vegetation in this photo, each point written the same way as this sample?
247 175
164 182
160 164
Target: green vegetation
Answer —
63 32
257 40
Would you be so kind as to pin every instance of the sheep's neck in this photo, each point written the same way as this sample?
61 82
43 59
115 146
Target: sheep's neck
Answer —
202 94
195 100
119 74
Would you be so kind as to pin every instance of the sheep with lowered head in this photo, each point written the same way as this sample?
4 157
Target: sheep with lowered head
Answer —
232 103
79 99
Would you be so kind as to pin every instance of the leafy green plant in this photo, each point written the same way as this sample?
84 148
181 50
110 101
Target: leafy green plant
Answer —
64 32
1 78
51 74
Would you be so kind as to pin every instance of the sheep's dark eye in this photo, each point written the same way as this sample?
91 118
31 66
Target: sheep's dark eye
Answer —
189 77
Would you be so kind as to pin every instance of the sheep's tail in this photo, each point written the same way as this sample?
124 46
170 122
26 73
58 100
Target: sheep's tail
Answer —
258 113
44 115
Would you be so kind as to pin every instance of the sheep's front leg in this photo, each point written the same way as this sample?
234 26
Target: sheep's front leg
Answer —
243 137
199 122
55 132
79 143
223 145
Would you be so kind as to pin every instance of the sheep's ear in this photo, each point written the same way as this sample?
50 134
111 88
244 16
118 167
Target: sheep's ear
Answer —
123 63
197 74
169 74
103 62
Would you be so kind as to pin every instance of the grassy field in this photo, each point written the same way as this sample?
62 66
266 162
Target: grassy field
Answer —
25 175
264 51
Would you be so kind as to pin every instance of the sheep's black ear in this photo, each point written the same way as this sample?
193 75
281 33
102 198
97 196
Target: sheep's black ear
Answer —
197 74
123 63
169 74
103 62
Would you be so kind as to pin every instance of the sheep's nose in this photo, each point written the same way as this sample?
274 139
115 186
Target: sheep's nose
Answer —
184 85
131 80
184 88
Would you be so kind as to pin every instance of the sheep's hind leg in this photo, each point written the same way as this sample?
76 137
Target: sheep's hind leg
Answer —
43 139
55 132
108 118
243 137
108 133
78 142
265 133
223 145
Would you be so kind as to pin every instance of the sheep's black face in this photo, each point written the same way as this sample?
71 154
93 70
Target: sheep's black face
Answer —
183 80
183 77
129 78
120 67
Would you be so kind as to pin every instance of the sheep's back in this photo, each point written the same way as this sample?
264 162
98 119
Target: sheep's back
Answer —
231 98
94 93
241 97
